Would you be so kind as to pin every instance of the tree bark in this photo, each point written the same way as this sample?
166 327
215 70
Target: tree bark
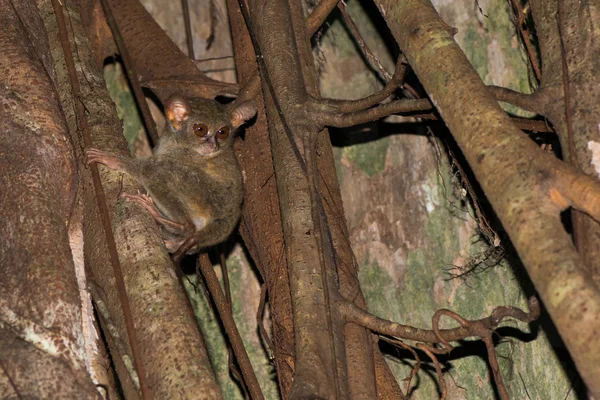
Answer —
166 328
515 175
41 338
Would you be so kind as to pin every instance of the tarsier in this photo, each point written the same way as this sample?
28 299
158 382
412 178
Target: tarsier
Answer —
193 181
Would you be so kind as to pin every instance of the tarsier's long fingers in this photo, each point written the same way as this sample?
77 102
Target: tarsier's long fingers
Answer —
143 200
146 202
99 156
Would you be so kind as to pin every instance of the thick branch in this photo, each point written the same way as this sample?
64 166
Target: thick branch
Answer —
102 204
173 351
41 338
260 226
569 48
514 174
345 113
315 368
158 60
313 23
529 102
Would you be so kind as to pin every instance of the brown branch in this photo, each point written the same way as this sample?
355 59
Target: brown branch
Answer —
531 125
482 328
347 106
525 35
472 328
342 120
571 188
484 333
316 18
102 204
268 83
205 267
232 367
435 320
489 345
259 320
579 34
438 369
260 226
345 113
193 85
131 72
529 102
373 60
188 28
415 369
159 58
572 157
321 369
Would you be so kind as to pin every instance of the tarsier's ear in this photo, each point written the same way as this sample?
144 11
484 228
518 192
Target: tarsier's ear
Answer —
177 110
242 113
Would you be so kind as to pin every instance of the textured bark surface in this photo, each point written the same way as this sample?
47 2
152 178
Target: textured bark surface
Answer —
408 222
315 371
518 178
581 147
406 216
165 325
260 226
41 338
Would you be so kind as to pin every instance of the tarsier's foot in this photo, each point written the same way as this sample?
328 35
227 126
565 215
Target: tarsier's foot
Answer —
173 244
102 157
143 200
147 203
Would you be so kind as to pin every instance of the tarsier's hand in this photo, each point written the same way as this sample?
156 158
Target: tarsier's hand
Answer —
98 156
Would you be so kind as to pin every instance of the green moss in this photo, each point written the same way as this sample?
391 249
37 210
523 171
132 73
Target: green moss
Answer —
376 286
369 157
121 95
475 48
211 332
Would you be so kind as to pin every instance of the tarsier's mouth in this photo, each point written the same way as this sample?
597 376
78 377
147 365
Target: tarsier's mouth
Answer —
208 149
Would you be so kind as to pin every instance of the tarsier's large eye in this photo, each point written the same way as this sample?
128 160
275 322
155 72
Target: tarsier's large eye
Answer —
200 129
223 133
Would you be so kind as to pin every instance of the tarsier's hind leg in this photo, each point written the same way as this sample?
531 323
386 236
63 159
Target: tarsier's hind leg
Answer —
214 233
146 202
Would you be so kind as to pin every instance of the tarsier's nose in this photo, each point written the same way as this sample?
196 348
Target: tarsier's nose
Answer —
212 143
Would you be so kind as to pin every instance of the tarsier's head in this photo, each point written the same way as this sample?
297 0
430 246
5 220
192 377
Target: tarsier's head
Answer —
205 125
